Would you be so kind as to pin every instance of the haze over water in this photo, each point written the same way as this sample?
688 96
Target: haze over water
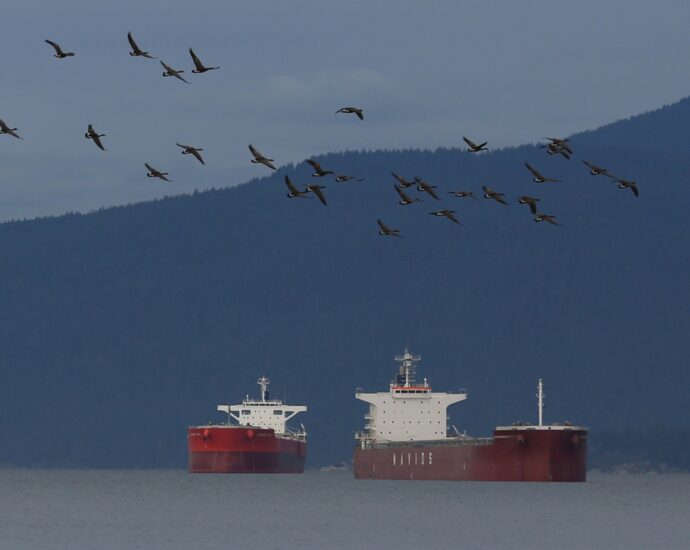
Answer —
55 509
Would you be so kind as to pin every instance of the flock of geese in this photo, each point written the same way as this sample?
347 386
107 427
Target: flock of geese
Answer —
555 146
91 132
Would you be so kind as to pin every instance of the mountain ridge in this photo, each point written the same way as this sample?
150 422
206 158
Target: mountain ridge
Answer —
125 325
291 166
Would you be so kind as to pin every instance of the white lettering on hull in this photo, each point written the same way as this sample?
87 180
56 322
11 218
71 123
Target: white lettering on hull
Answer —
420 458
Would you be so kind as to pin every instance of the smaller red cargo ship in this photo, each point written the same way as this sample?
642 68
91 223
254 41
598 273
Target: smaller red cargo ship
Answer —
260 442
406 438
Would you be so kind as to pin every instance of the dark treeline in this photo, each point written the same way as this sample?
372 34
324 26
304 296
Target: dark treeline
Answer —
121 327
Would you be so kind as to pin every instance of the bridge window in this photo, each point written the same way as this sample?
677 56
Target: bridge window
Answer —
246 411
278 412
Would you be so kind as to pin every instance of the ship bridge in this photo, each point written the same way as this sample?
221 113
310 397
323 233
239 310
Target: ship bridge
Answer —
263 412
408 411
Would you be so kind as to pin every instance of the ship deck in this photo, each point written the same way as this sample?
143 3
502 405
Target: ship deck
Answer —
465 440
550 427
449 441
290 434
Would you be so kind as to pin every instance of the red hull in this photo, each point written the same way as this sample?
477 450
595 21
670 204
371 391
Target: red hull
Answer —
513 455
243 450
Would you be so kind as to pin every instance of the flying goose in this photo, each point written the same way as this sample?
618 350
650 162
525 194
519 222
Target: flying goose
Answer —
316 189
136 50
340 178
260 159
153 173
318 171
531 201
472 147
169 71
95 136
546 218
491 194
402 181
424 186
194 151
198 65
627 184
293 191
352 110
559 144
538 178
463 194
446 214
58 50
405 198
5 129
387 231
552 149
598 170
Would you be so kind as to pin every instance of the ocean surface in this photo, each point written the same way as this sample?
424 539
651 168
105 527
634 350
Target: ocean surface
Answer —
106 509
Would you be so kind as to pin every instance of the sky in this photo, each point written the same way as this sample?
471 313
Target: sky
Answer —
425 73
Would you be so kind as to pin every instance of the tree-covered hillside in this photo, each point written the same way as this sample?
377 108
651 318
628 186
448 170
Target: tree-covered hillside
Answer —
120 328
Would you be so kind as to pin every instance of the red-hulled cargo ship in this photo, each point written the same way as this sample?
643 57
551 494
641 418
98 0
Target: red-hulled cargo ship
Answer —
406 438
260 442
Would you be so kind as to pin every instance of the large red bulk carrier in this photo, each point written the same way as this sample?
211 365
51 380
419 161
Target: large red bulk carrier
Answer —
260 442
406 438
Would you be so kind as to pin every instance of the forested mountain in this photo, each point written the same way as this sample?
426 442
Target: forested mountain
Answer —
121 327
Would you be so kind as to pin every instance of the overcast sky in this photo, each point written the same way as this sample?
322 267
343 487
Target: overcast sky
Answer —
426 74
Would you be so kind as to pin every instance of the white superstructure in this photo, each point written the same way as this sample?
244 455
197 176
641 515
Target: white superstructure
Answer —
407 411
264 412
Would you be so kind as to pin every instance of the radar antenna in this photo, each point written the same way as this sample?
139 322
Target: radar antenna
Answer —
407 368
263 388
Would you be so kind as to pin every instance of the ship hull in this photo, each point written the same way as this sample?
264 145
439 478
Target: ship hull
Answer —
243 450
558 455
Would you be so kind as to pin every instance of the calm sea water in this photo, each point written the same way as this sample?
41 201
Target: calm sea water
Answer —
78 509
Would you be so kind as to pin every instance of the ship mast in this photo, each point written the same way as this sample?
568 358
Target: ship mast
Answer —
263 388
406 372
540 400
